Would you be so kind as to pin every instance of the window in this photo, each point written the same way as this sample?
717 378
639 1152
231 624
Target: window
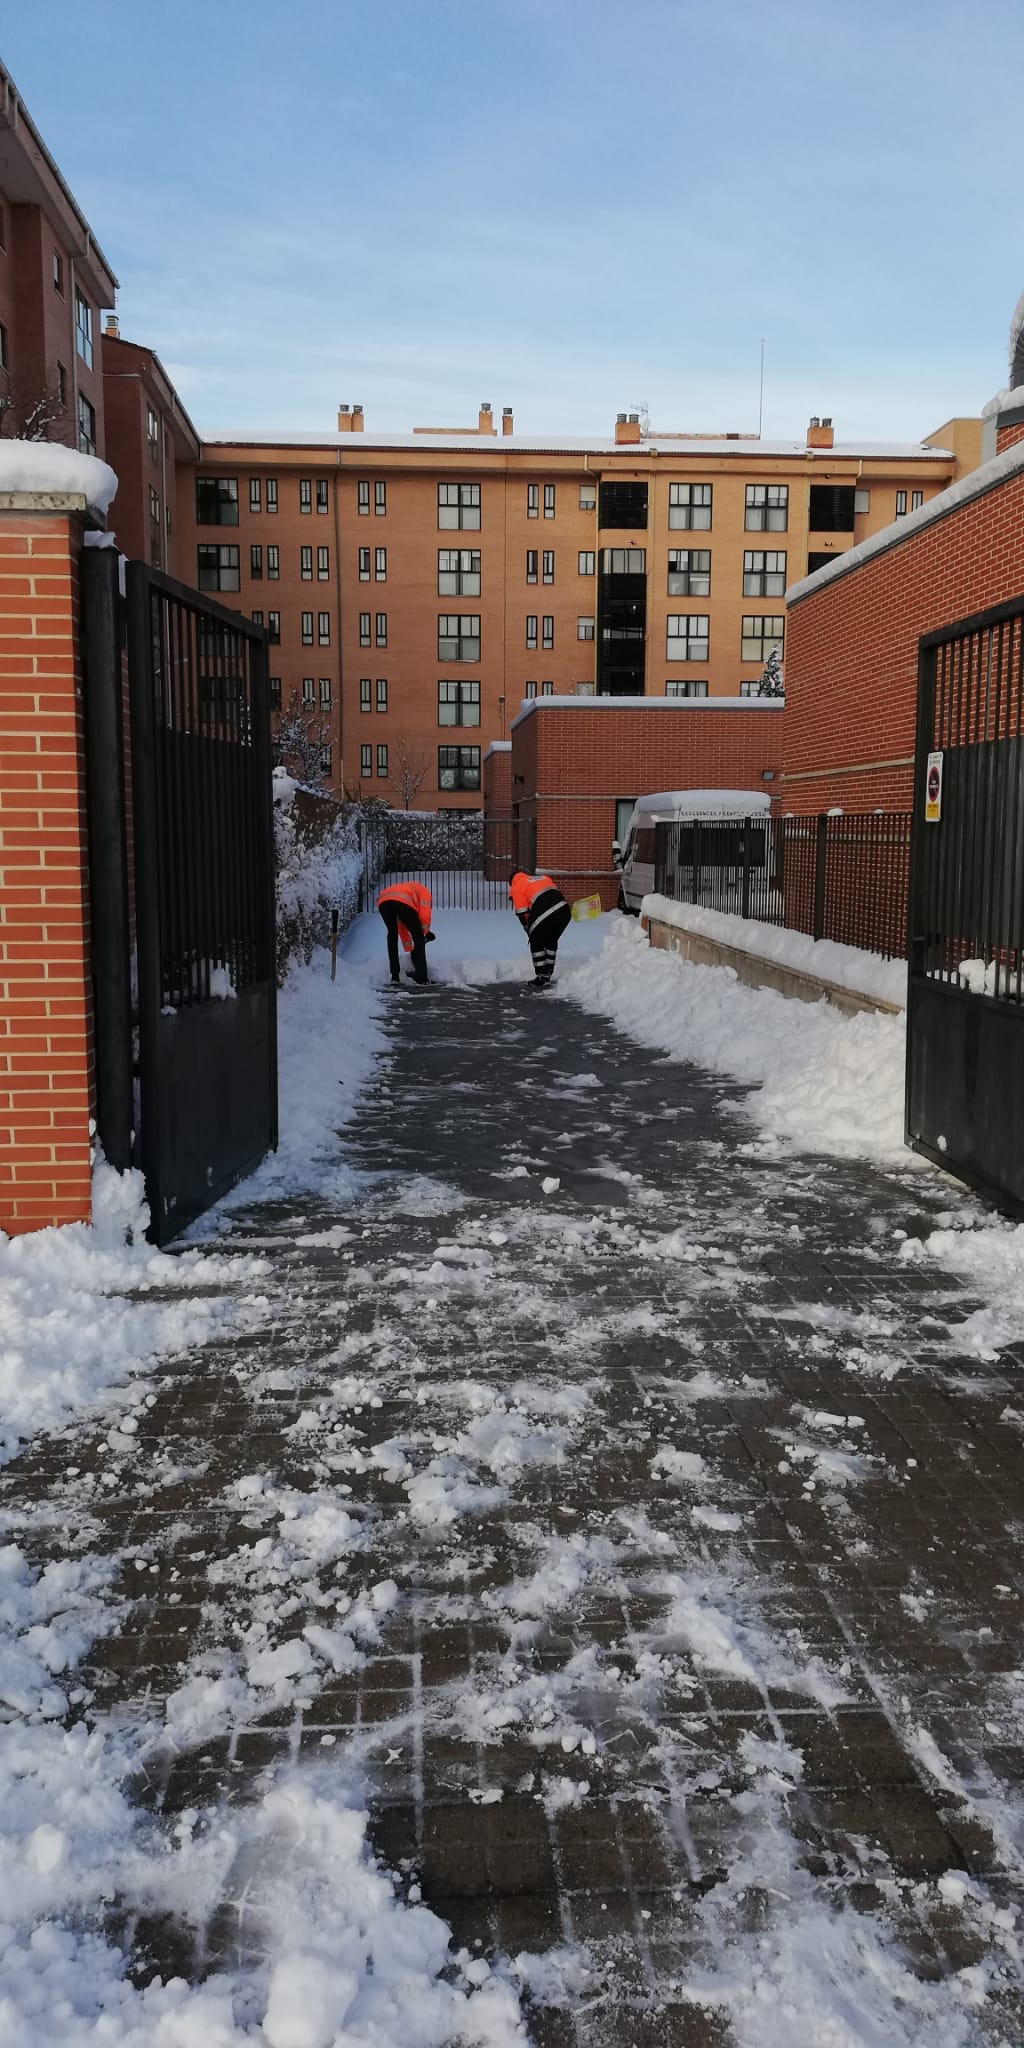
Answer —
458 572
257 618
154 506
306 564
380 500
321 494
585 562
623 505
764 573
325 693
364 629
323 565
458 638
326 759
549 501
366 754
382 760
255 494
530 690
363 498
83 329
152 433
584 629
831 508
216 501
305 494
767 508
547 631
323 629
380 564
364 565
458 505
533 501
271 494
217 568
58 272
901 504
817 561
274 628
380 627
689 572
382 693
588 497
862 501
273 561
916 499
760 636
308 693
686 686
531 565
689 506
748 689
624 561
531 629
365 693
687 637
458 767
307 629
547 689
549 565
458 703
275 693
62 383
624 808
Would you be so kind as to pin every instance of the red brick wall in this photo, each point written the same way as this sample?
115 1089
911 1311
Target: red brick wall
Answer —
46 1030
1007 437
497 776
851 661
576 761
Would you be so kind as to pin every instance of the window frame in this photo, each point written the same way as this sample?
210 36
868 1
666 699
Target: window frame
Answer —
306 629
458 570
466 696
323 565
583 621
696 646
589 556
83 328
450 645
306 565
549 501
761 509
256 562
366 693
272 496
759 577
684 583
380 702
306 495
223 567
323 629
465 504
273 561
225 497
689 504
365 760
466 773
765 641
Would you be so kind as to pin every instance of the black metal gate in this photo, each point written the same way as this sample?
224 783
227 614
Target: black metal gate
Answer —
183 890
965 1019
464 859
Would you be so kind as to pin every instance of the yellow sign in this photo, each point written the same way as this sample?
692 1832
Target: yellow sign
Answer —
586 906
933 790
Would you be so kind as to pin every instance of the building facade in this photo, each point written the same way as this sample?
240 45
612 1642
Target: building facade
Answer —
148 433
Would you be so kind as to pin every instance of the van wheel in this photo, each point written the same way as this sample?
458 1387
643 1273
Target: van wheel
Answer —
623 905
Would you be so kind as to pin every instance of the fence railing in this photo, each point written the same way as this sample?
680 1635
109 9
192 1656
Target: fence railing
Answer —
832 877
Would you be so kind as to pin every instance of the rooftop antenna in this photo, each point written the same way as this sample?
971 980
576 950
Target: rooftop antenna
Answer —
760 400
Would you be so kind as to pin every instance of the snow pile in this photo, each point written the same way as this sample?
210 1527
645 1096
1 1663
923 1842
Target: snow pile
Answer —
822 1082
990 1258
319 866
49 467
869 974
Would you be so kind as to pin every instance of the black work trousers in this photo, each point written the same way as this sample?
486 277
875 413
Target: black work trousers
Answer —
395 914
544 936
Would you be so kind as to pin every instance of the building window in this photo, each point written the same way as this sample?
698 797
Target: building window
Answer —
531 629
458 703
325 693
323 565
152 433
818 560
831 508
749 689
305 494
623 506
458 767
458 572
257 618
458 637
380 627
217 568
901 504
363 499
308 693
380 565
533 501
255 494
549 501
306 564
364 565
364 629
58 272
366 760
547 631
273 561
547 689
585 562
767 508
689 507
686 686
380 500
689 572
458 505
365 693
530 690
687 637
271 494
761 636
62 384
764 573
584 629
862 501
588 497
274 628
275 693
321 494
323 629
154 506
624 561
382 693
307 629
548 567
326 760
83 329
916 500
216 501
382 761
531 565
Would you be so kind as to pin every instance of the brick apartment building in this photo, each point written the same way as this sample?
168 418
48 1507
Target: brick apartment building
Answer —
148 434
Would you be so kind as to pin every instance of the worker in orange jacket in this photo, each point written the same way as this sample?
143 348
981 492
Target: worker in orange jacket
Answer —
406 908
544 914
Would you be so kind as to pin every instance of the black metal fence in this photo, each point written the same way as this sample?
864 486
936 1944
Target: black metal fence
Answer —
832 876
463 858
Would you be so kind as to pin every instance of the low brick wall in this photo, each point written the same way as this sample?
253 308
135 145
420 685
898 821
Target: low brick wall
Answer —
756 972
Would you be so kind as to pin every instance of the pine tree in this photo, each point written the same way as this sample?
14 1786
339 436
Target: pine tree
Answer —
772 683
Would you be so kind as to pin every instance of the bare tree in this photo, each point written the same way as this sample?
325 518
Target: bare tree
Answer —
301 741
409 770
32 408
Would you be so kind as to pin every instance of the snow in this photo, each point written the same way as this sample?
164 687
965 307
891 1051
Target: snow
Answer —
46 467
869 974
682 706
470 946
702 803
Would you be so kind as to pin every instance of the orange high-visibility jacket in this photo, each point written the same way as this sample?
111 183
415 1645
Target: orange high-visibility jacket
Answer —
524 889
414 897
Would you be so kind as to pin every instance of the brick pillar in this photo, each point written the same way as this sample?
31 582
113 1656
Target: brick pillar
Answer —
46 1027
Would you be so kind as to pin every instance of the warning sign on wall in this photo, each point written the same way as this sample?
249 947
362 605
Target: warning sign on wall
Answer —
933 790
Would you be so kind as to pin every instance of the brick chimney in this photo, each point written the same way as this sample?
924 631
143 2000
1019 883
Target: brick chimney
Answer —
820 433
112 327
485 421
507 421
627 429
357 419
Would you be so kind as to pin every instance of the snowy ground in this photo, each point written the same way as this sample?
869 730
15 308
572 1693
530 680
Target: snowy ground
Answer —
587 1503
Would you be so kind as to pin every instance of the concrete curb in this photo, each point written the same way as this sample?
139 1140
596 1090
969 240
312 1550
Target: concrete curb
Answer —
757 972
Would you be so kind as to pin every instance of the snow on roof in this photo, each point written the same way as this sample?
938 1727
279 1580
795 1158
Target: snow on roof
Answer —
973 486
499 747
704 803
679 705
47 468
548 444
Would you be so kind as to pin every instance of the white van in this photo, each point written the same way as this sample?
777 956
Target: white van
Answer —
635 859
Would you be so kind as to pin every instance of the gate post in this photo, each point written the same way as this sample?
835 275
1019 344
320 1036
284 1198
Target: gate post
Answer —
108 852
745 884
820 861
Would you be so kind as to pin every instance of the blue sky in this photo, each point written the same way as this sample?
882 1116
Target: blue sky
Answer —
566 206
